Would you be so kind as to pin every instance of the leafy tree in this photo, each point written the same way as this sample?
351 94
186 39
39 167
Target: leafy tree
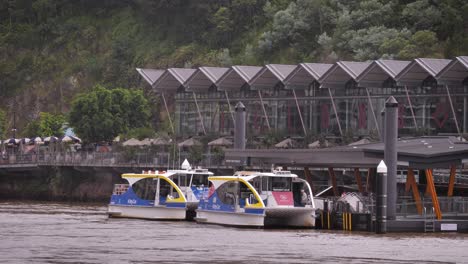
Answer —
422 15
32 129
46 125
103 114
51 124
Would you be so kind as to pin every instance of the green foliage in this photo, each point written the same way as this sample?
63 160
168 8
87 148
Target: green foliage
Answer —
103 114
44 43
46 125
196 154
51 124
140 133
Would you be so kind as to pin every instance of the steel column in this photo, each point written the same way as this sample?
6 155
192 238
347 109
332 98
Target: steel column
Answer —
357 175
336 112
453 171
432 190
390 154
199 113
299 111
331 173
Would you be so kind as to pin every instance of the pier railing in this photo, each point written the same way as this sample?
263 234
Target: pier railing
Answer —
457 205
161 160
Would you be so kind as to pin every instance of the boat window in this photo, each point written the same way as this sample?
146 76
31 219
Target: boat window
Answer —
145 189
265 184
165 189
227 192
181 180
257 184
199 180
281 184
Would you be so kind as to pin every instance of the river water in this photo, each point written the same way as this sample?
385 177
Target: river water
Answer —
63 233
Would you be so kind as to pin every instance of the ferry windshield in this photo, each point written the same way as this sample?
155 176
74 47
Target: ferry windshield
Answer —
200 180
281 184
145 188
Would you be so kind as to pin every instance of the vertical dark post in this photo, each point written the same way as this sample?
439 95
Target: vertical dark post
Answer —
381 202
390 154
239 135
14 123
382 125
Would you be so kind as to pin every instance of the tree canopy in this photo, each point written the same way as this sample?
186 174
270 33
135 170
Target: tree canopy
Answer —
47 124
103 114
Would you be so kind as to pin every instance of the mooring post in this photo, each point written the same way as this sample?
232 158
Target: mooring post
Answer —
381 202
390 154
239 131
239 135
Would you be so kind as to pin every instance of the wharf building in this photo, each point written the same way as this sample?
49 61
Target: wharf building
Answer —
317 98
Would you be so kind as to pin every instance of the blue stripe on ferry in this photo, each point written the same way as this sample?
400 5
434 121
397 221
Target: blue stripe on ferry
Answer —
175 205
254 210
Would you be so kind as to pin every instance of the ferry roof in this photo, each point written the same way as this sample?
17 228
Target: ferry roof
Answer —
248 175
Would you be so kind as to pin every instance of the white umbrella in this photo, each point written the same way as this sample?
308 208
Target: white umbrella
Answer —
37 140
220 142
160 142
132 142
66 139
316 144
287 143
25 140
146 142
11 141
50 139
76 139
189 143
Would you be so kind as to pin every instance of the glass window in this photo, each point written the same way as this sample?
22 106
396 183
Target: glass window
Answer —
281 184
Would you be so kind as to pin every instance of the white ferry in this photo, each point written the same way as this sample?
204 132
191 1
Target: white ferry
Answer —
160 195
258 199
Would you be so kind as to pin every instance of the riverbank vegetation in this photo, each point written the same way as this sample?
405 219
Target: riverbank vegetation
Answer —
51 51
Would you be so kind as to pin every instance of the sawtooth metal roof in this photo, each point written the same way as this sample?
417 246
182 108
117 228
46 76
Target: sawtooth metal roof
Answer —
379 71
419 69
172 79
270 75
204 78
236 77
304 74
455 72
341 72
366 74
150 75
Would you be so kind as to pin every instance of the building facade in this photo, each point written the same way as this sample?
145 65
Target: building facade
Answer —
318 99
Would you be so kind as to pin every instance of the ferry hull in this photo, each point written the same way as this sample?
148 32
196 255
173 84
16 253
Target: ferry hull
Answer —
290 217
230 218
147 212
284 217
